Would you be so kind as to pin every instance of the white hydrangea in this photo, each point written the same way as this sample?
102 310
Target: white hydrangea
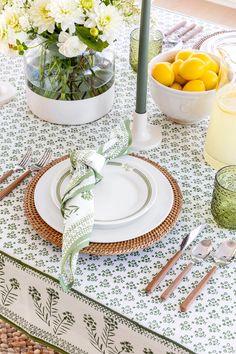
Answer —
107 19
67 13
70 46
40 17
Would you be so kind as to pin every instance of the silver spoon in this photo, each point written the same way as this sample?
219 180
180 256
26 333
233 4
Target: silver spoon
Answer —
173 41
198 253
224 254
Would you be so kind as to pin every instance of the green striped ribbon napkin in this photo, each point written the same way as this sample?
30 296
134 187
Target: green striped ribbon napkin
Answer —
77 205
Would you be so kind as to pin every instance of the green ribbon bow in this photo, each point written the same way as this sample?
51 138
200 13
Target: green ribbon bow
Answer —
77 205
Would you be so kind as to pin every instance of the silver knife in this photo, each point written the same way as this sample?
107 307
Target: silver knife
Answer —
184 244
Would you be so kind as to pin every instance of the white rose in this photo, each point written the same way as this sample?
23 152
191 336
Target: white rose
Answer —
70 46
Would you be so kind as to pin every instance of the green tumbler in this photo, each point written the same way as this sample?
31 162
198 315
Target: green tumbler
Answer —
155 46
223 205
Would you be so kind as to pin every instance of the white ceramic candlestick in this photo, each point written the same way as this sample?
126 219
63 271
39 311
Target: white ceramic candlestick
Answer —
145 136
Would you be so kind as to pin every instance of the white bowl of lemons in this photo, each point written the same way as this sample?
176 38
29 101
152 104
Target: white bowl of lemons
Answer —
183 83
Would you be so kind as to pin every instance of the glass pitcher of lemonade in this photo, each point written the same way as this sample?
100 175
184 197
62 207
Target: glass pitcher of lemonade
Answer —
220 146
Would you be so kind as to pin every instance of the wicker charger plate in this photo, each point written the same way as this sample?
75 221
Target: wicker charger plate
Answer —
103 249
202 40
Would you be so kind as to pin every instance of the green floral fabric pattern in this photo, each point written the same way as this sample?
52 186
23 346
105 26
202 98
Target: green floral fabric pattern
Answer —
118 281
71 322
77 205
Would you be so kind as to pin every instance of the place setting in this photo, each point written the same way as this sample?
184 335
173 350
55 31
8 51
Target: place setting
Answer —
135 204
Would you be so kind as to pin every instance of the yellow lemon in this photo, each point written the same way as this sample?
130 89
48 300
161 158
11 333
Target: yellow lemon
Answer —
176 86
175 67
163 73
203 56
194 85
214 66
209 79
192 69
184 54
211 63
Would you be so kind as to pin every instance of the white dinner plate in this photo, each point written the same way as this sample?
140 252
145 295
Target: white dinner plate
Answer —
160 209
124 194
227 41
7 92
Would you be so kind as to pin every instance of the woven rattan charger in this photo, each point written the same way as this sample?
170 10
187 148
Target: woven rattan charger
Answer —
102 249
199 43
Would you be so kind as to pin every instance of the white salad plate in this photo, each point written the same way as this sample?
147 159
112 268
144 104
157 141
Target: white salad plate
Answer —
123 195
7 92
160 209
227 41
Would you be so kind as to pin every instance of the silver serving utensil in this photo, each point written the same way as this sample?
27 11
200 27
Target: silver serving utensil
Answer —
184 244
198 253
20 166
187 37
33 168
173 41
173 30
223 256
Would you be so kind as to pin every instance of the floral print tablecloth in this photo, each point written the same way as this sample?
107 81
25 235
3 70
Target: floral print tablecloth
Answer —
109 312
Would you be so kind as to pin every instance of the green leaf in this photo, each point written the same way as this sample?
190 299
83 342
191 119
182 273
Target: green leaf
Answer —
93 43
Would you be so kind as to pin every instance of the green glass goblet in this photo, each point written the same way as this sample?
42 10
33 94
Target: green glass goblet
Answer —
223 205
155 46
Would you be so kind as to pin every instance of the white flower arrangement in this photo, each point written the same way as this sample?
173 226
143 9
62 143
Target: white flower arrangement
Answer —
92 24
62 40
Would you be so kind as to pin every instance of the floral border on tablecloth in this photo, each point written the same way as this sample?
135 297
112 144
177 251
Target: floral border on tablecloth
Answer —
23 288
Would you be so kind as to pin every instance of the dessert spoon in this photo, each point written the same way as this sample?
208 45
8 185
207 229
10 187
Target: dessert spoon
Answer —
223 256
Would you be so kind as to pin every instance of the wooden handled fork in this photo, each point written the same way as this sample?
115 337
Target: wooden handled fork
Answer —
33 168
20 166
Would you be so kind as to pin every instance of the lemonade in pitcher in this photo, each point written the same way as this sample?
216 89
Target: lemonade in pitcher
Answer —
220 146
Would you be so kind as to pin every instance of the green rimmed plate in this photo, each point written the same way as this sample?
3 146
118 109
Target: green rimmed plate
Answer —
124 194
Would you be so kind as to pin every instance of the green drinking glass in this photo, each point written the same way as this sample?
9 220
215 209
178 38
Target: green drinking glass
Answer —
155 46
223 205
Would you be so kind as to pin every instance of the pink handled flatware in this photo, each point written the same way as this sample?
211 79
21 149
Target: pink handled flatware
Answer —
175 28
192 34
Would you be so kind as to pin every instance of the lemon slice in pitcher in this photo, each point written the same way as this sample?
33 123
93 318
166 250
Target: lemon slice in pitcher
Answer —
227 102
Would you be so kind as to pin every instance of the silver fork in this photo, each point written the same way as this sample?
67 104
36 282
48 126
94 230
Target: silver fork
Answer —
20 166
33 168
